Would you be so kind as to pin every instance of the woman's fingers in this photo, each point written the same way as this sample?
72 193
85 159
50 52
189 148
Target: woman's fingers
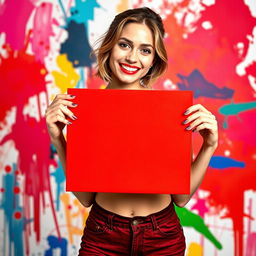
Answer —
55 117
58 112
64 96
68 112
196 115
197 107
199 116
63 102
203 126
61 119
201 120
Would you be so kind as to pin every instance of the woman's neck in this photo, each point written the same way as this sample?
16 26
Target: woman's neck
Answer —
113 85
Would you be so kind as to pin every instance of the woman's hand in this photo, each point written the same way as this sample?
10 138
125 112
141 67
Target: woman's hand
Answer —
204 122
57 112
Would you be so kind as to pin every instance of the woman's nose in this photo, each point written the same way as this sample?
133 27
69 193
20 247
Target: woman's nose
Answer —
132 56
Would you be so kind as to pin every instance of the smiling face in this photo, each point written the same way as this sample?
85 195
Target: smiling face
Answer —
132 56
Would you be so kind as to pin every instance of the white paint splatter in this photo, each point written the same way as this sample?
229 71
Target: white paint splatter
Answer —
7 123
250 55
207 25
252 6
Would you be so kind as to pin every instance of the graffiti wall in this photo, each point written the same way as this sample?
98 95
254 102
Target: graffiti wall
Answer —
45 48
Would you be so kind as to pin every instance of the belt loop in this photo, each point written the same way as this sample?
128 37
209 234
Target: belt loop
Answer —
154 222
110 221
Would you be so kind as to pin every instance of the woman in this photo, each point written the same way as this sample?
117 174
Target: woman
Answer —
132 56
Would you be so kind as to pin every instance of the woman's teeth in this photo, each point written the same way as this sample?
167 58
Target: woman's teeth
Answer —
129 68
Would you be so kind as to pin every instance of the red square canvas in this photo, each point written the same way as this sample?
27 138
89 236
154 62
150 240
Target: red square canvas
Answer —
129 141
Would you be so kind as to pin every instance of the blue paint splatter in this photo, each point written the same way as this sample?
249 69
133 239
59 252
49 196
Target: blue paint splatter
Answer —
77 46
13 228
81 82
60 178
83 11
221 162
54 243
201 87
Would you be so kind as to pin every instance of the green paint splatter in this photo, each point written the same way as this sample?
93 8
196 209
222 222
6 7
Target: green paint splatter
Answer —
189 219
236 108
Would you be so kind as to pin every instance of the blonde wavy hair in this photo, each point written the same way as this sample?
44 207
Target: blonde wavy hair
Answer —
109 39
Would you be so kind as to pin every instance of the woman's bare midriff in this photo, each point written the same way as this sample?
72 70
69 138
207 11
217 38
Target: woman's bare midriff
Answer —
130 205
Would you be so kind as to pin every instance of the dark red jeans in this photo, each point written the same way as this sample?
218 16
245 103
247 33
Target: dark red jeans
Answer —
107 233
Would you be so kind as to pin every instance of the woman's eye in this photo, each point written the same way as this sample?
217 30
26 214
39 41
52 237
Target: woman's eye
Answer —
146 51
123 45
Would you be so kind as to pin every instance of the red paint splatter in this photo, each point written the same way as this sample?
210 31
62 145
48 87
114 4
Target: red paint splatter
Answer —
8 168
251 70
16 190
22 78
94 82
17 215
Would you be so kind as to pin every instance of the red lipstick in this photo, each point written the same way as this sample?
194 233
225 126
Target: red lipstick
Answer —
128 69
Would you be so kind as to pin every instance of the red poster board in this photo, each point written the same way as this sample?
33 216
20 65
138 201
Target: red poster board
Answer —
129 141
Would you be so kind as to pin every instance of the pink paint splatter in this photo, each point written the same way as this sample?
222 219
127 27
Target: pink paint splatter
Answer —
42 30
21 78
13 21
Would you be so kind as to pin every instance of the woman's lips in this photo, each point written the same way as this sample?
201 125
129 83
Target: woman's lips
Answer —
128 69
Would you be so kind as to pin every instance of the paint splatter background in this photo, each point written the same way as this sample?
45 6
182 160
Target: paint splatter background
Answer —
44 49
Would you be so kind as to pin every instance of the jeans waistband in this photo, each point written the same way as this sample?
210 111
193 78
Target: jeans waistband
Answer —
119 220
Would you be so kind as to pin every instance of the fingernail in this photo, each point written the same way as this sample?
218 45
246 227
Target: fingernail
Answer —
72 96
74 104
74 117
69 123
185 122
186 112
188 128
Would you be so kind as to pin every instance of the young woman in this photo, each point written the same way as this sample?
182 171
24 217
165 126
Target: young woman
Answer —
132 56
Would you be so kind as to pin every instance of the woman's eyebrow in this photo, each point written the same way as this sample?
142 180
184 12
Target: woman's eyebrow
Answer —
130 42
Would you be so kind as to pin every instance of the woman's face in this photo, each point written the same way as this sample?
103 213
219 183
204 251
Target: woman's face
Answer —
132 56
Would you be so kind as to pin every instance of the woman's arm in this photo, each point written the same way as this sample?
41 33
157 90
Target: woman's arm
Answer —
205 123
56 120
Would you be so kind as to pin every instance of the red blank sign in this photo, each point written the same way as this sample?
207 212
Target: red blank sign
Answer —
129 141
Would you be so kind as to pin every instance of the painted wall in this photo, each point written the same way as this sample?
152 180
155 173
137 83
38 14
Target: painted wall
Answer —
44 48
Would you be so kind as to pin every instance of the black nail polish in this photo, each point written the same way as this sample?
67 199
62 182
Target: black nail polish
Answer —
186 112
74 104
188 128
74 117
185 122
72 96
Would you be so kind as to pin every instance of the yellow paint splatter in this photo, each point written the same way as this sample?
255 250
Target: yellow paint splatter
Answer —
195 249
103 86
72 215
122 6
42 71
67 76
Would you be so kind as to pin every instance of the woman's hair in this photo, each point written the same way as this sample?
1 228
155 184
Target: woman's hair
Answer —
139 15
